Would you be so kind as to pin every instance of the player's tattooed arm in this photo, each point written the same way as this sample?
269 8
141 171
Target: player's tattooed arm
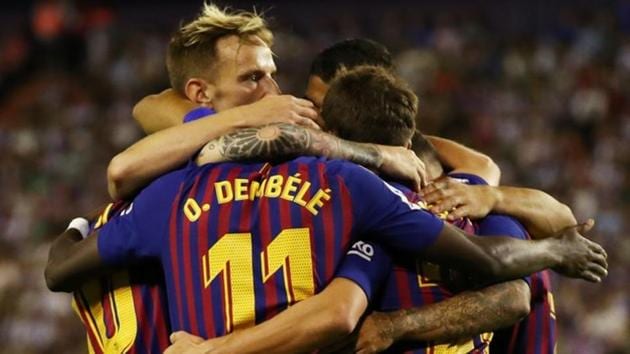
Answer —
282 141
460 317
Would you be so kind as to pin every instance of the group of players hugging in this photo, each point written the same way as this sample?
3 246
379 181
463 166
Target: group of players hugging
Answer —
250 221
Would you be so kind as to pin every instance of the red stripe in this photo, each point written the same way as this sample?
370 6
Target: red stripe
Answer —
544 340
346 202
108 316
265 232
174 244
203 245
307 220
92 337
404 290
159 318
514 337
531 320
144 322
547 338
188 262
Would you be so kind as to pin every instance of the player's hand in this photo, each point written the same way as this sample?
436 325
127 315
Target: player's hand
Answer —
459 199
403 164
186 343
580 257
280 109
376 333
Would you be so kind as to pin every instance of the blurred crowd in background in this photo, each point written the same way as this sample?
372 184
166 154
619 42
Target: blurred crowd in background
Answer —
543 89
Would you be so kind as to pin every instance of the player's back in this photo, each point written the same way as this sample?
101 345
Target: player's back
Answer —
239 242
416 283
247 240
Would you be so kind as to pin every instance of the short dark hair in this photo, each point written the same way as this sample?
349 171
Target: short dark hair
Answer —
349 54
370 104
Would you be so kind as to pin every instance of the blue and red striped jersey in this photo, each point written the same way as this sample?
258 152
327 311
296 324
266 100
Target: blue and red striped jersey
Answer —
125 312
240 242
536 333
414 283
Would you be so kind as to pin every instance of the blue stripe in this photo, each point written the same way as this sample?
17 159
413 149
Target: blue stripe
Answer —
182 274
148 305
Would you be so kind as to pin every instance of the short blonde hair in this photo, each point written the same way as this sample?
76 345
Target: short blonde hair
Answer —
193 47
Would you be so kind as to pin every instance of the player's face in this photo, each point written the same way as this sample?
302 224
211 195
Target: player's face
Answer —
243 73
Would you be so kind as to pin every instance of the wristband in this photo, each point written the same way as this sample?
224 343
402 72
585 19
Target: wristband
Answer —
81 225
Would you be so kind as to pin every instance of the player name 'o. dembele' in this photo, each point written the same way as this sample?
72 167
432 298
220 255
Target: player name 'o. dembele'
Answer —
290 188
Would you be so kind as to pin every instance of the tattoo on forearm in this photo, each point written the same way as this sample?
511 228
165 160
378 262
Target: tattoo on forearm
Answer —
462 316
266 142
285 140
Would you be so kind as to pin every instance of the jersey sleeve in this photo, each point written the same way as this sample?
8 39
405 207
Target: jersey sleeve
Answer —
136 232
503 225
385 213
468 178
367 265
197 113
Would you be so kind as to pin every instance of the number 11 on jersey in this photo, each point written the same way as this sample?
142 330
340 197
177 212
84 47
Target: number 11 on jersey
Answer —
232 257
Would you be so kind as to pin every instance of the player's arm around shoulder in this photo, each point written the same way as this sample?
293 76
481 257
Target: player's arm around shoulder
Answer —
71 260
318 321
463 159
498 258
541 213
322 320
283 141
163 151
160 111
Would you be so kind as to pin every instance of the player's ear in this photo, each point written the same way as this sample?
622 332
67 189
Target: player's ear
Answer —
409 144
199 91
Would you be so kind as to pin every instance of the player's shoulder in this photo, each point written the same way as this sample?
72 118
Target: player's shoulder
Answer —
333 167
163 187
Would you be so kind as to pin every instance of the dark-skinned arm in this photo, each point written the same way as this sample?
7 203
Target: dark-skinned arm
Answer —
282 141
497 258
72 260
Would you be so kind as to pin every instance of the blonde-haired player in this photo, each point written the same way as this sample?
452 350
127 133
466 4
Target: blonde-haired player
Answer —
220 59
